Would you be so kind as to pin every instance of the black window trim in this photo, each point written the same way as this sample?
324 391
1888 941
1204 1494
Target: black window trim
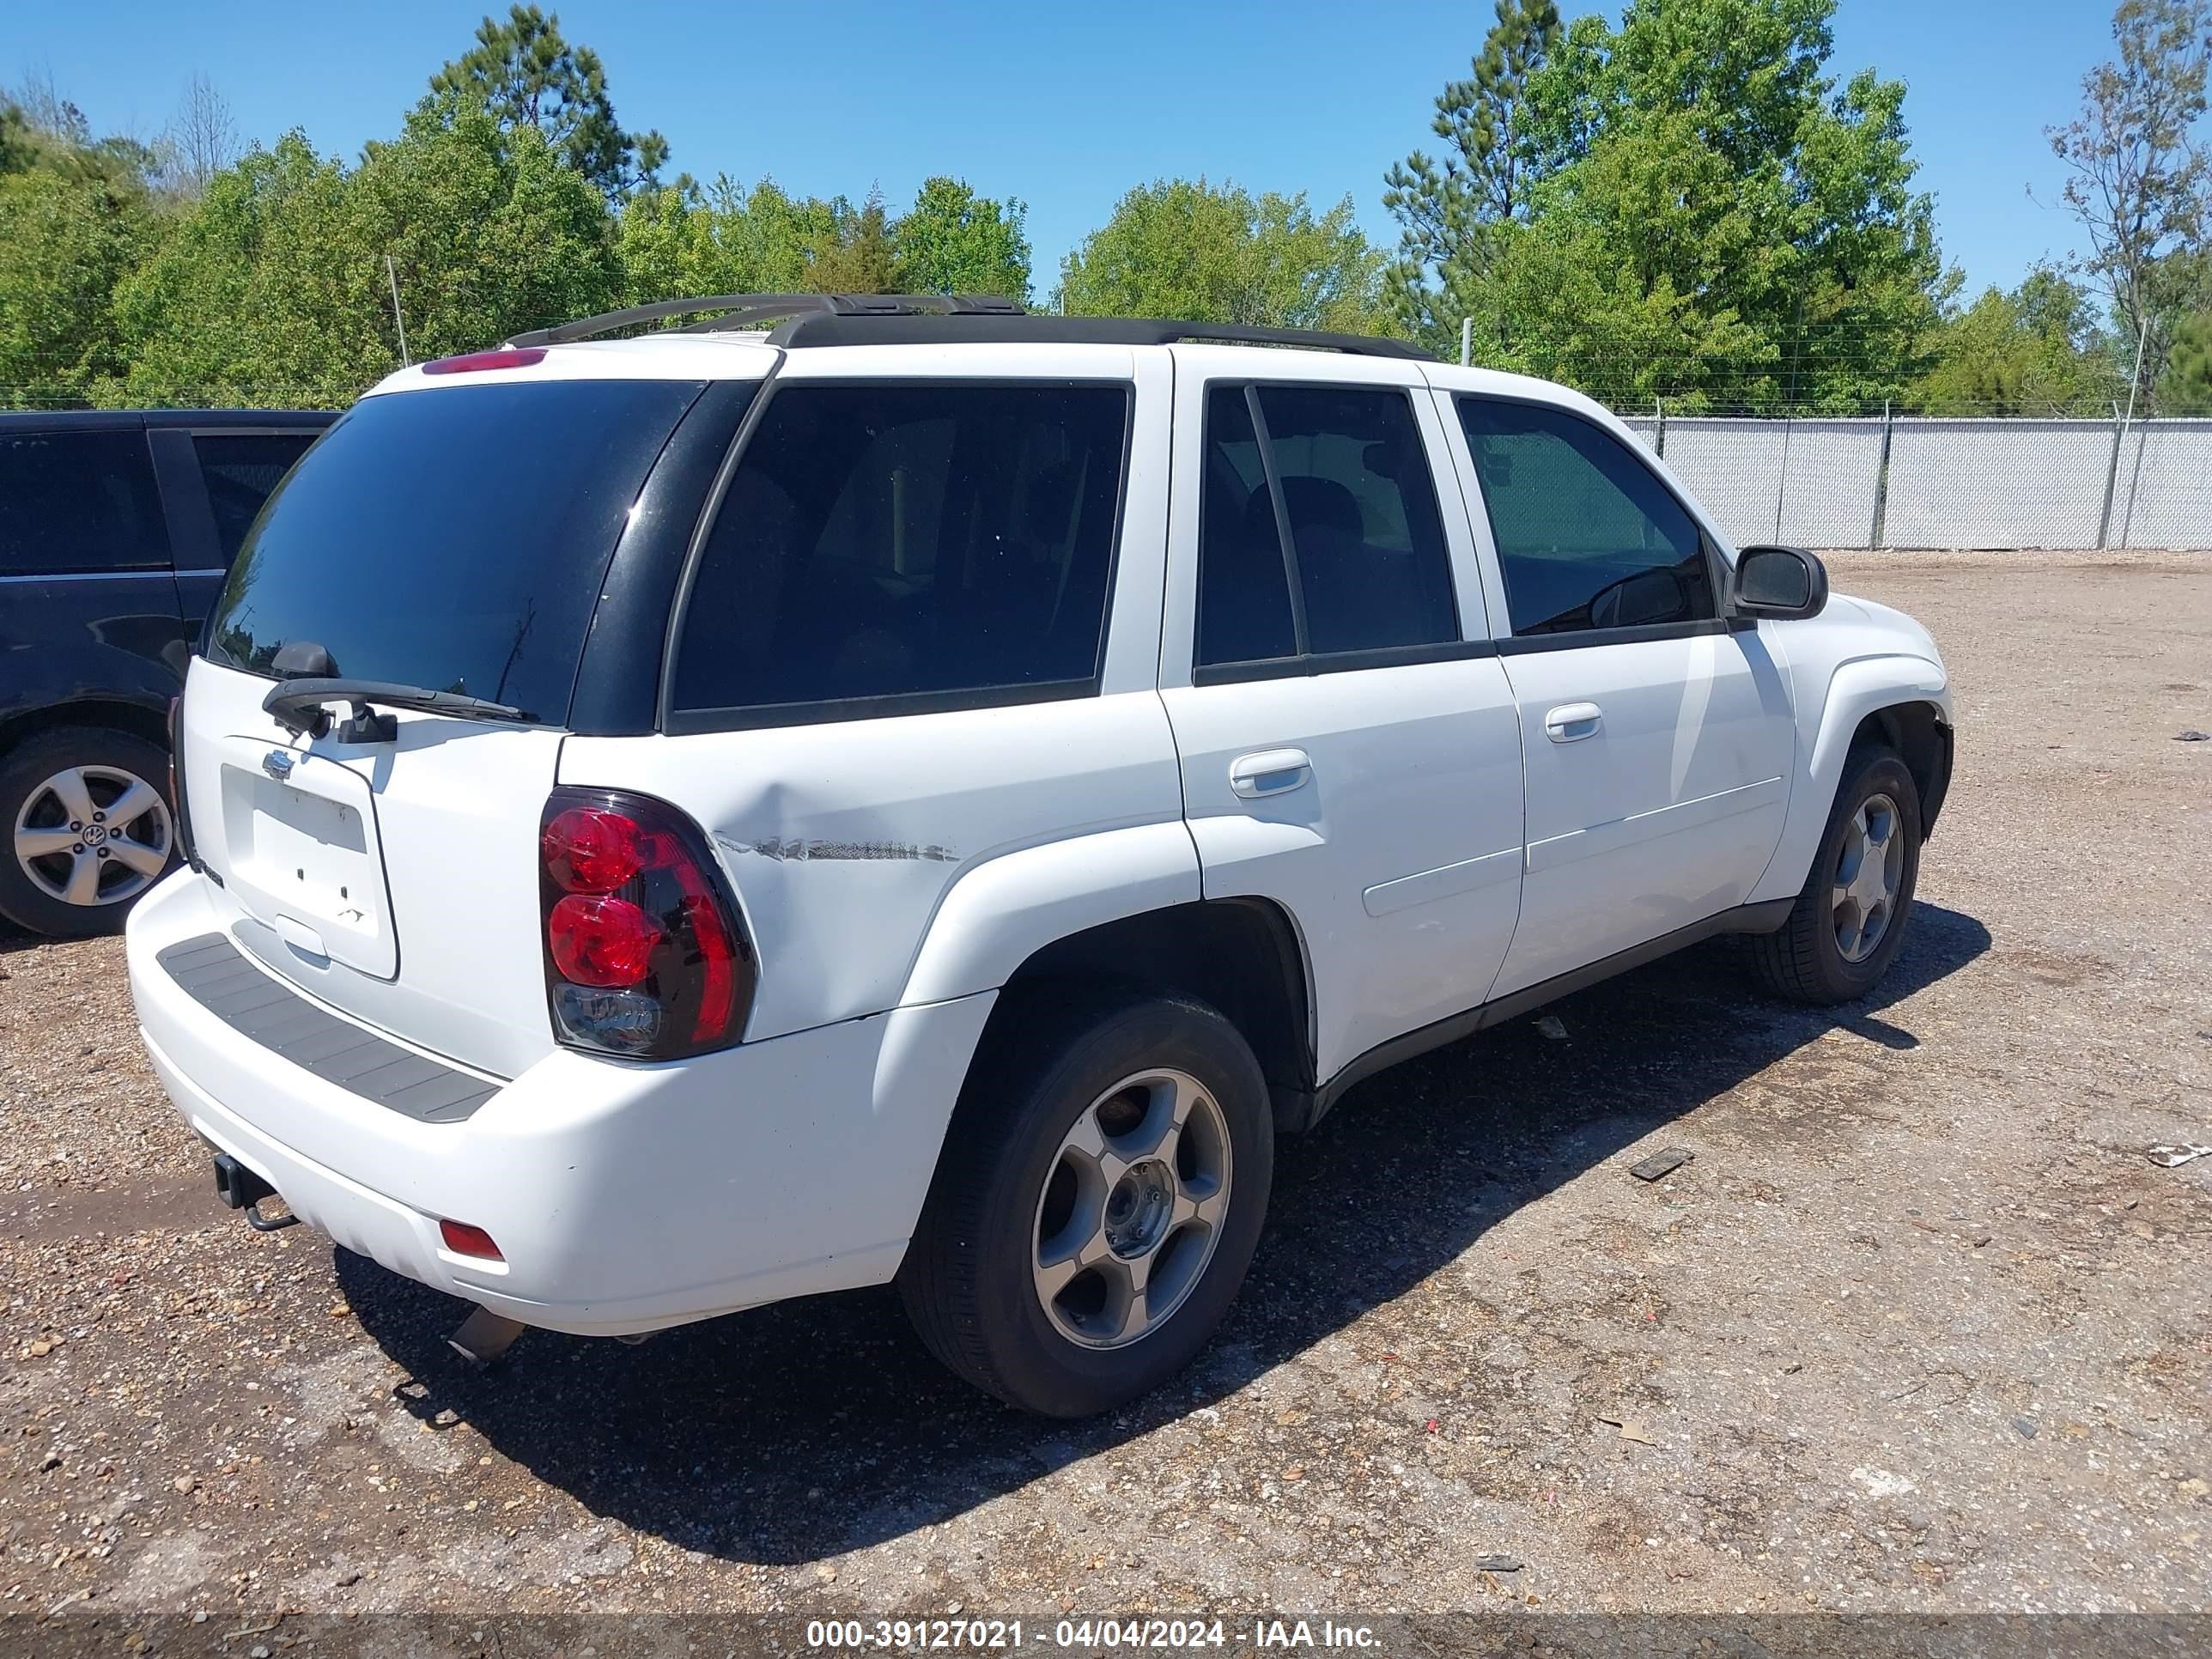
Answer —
1306 662
693 722
1717 567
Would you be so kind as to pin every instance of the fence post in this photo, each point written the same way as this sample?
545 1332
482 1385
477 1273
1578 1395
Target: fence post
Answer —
1881 483
2111 477
2135 482
1659 430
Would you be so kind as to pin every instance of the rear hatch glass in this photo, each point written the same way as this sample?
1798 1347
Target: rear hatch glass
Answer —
453 539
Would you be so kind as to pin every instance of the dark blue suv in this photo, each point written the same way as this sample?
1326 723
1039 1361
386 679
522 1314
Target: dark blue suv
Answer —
115 530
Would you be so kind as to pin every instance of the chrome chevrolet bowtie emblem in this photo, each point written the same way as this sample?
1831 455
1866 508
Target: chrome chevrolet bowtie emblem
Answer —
278 764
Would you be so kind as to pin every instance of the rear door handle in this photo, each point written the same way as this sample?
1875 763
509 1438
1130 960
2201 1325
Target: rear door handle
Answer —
1570 722
1269 772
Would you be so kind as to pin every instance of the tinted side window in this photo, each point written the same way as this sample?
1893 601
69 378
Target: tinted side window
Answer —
76 502
242 472
902 540
1587 536
1364 528
1243 585
1345 468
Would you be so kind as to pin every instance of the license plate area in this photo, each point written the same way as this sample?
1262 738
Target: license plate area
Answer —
301 843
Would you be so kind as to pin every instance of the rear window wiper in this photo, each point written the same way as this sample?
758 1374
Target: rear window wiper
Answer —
297 706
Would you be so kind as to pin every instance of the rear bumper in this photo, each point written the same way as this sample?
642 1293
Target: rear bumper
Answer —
624 1197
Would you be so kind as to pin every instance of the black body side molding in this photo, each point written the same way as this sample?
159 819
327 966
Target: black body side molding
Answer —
1301 1108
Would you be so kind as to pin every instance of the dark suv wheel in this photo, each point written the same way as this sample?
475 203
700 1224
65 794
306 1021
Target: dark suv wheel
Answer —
1096 1204
88 829
1849 920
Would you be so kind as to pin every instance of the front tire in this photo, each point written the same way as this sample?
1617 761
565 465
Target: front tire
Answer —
1847 923
1097 1203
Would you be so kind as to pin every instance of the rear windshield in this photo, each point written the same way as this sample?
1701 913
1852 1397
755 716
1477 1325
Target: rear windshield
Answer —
454 539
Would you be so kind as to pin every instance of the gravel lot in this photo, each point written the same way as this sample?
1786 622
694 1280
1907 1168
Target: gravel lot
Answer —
1920 1328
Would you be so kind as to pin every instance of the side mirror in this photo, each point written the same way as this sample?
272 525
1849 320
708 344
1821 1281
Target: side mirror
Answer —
1781 582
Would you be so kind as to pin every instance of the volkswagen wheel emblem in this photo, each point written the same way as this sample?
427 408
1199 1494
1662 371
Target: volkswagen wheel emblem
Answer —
278 764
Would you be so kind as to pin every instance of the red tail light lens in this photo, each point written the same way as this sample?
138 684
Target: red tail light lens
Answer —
475 363
589 849
462 1239
602 941
646 956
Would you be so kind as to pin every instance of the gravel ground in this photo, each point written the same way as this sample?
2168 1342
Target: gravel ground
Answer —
1920 1329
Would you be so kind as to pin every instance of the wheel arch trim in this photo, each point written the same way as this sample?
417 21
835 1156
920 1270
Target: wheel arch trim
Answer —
1855 690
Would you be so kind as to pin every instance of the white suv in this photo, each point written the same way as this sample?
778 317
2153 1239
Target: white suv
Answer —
928 793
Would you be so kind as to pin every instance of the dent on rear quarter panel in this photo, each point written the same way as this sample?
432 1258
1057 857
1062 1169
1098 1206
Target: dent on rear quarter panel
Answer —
847 842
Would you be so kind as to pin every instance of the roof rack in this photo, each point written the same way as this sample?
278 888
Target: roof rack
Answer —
743 310
835 319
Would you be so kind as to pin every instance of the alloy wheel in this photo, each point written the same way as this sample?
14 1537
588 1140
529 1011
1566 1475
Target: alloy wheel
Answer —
1132 1208
1868 876
93 836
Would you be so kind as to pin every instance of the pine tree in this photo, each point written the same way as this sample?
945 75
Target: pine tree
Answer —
1447 211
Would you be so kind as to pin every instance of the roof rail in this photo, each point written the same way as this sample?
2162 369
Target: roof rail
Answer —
742 310
833 320
861 328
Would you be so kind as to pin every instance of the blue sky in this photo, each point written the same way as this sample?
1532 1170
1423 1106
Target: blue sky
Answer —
1063 107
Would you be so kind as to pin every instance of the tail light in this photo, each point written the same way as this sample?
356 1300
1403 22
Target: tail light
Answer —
645 954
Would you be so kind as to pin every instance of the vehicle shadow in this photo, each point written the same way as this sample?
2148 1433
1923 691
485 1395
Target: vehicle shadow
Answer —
814 1427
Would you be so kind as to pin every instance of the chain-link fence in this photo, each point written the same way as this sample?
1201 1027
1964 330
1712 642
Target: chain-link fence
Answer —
1928 482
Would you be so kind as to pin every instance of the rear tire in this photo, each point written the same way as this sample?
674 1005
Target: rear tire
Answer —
86 828
1097 1203
1849 922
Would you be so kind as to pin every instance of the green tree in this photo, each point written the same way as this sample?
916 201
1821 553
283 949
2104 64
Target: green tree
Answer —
2186 387
2035 350
525 73
2136 178
274 290
1708 216
1448 212
1188 250
679 241
854 253
75 215
954 241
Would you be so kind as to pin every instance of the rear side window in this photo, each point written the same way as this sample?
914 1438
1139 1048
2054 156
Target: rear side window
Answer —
1588 537
1342 469
242 471
880 544
74 501
454 539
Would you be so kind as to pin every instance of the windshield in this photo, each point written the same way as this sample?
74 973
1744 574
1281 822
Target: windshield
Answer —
454 539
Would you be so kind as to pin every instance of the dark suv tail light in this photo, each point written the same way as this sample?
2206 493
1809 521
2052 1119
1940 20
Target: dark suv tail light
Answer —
645 954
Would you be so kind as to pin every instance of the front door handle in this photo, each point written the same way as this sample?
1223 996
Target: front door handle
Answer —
1570 722
1270 772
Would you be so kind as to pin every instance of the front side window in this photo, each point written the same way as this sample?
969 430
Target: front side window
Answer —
1343 471
1588 537
897 541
